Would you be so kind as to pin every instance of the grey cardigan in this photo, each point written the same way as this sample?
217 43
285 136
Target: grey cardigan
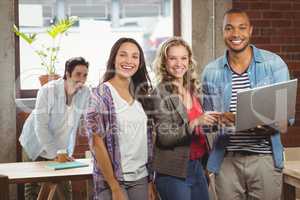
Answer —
173 134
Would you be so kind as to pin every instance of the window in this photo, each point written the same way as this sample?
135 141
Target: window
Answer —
101 23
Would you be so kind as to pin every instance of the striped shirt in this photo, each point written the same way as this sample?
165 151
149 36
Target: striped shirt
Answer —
249 142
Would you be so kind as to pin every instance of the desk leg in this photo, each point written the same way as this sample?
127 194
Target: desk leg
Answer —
4 188
289 192
20 192
47 191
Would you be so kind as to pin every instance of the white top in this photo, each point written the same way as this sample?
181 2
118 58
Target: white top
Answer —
42 131
132 130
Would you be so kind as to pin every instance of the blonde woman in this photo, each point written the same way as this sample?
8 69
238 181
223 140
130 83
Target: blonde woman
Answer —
181 147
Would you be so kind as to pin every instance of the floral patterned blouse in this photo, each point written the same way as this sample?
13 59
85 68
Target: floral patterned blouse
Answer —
101 120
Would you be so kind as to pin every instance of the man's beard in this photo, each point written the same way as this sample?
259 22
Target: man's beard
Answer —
238 50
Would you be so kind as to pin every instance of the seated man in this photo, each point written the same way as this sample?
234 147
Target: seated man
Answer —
53 124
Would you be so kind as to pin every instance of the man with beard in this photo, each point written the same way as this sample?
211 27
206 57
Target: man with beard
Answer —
52 126
248 164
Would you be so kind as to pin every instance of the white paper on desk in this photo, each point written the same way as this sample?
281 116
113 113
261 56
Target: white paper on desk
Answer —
266 105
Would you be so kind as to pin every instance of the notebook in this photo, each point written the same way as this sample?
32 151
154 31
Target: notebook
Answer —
66 165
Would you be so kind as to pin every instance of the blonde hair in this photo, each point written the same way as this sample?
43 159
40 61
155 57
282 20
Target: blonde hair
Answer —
190 80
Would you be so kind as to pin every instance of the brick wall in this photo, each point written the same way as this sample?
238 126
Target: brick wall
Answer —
277 28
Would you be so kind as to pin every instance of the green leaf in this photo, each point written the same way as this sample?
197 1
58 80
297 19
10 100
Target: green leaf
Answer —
45 51
61 26
29 38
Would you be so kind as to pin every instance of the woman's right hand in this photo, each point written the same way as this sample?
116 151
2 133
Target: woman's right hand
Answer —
117 193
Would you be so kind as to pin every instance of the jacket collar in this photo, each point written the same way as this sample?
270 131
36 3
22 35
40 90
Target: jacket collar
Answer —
176 102
257 57
179 107
61 86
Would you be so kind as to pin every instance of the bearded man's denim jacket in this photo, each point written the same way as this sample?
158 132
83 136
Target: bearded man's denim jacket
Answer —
265 68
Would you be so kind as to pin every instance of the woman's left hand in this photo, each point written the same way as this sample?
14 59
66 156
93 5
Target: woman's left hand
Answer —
207 118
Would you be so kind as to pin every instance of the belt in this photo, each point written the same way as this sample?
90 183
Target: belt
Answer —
241 153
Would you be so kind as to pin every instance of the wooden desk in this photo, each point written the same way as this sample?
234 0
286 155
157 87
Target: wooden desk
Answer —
30 172
291 179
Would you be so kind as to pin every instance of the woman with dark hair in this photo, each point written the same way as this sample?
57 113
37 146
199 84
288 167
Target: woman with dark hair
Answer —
181 146
119 138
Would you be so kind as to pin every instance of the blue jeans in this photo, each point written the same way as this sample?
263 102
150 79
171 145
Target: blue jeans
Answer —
194 187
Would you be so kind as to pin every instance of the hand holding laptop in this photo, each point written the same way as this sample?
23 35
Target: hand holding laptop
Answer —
283 126
270 129
260 129
227 118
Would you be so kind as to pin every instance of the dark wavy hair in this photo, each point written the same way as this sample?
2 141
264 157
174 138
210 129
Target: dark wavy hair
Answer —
141 84
72 63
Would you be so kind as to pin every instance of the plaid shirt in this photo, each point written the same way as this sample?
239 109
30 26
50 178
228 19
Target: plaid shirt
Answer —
101 120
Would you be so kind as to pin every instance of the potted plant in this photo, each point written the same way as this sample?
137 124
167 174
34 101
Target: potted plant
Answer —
48 54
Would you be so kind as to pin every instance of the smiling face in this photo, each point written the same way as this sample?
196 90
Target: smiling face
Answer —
177 61
127 60
237 32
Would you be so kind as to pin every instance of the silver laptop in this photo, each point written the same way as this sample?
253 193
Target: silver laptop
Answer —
266 105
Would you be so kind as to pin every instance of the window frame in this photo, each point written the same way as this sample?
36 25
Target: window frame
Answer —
23 93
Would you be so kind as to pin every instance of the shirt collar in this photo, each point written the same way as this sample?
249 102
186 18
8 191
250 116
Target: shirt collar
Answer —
257 57
61 87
